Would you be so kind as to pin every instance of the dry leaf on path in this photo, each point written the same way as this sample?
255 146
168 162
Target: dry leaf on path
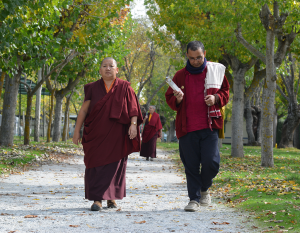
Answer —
140 222
74 226
6 214
31 216
220 223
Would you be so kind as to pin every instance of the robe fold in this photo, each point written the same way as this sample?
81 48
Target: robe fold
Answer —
149 136
105 137
105 140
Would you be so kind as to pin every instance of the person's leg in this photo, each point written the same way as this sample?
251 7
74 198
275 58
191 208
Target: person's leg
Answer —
210 157
189 148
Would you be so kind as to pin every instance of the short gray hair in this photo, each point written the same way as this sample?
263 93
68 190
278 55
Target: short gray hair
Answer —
152 106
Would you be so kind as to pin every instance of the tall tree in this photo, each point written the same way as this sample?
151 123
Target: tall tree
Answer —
38 109
291 86
274 25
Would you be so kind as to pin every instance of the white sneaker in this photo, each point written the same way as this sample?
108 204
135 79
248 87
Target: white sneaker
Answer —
193 206
205 198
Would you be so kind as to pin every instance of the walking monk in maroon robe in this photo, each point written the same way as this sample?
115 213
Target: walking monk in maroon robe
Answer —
111 116
152 131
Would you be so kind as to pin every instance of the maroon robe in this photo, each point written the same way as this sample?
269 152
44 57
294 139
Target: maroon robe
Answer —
105 141
149 137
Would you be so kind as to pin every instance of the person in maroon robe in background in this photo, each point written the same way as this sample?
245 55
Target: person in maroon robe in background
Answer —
111 116
152 130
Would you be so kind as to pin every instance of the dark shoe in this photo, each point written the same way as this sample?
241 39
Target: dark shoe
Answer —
147 158
193 206
151 159
97 205
111 204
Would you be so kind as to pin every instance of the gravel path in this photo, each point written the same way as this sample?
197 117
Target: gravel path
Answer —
51 199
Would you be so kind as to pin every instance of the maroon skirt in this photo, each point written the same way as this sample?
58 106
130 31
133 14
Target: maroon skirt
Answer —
106 182
148 149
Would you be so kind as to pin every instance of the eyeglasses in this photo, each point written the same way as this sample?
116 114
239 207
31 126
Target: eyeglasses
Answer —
195 59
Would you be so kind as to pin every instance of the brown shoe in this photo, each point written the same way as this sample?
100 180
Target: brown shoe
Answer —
111 204
97 205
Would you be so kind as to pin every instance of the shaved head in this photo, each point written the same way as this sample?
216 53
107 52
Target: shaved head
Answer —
109 58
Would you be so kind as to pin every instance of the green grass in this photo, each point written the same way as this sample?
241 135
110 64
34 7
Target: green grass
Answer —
270 195
18 157
167 145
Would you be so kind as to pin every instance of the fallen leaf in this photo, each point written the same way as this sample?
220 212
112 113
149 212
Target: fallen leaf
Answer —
74 226
220 223
140 222
6 214
30 216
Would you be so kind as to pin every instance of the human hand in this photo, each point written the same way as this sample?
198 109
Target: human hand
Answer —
210 100
179 96
132 132
76 138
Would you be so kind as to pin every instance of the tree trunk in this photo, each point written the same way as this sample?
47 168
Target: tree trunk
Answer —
249 123
38 110
59 95
258 133
9 109
297 137
268 96
2 82
237 149
50 116
274 126
220 143
27 120
289 127
57 118
66 122
171 131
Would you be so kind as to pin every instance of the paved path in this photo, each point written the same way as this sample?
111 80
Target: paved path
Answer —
51 199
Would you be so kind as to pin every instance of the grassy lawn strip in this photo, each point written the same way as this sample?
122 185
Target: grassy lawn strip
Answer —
271 195
19 157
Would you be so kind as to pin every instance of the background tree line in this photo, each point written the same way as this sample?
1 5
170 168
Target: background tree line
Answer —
59 45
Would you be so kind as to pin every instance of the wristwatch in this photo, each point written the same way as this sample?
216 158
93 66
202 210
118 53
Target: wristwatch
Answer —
133 123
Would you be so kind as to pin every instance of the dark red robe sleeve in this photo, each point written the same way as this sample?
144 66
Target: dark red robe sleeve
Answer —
132 104
223 93
170 98
87 92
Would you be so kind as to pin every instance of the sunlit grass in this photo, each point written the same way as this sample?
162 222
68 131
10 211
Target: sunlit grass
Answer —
18 157
271 195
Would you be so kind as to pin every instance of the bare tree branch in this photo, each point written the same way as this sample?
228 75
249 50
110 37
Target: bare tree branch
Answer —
27 88
247 45
286 85
282 93
159 87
